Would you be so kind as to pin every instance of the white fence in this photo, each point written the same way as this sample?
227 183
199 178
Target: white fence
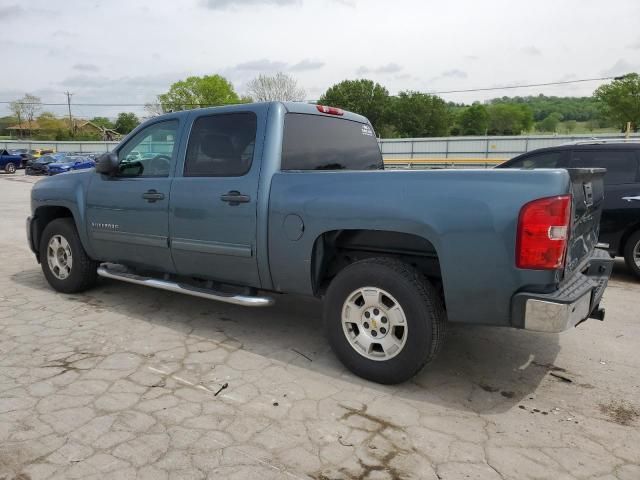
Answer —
437 152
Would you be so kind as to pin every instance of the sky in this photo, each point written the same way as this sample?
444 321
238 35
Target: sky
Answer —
128 51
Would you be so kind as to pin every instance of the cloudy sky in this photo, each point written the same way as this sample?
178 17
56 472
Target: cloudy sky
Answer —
128 51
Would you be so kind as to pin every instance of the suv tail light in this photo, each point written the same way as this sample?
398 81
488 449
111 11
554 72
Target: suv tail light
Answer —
543 230
330 110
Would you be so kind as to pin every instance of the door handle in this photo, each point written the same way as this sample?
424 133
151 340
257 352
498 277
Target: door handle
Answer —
234 198
152 195
629 199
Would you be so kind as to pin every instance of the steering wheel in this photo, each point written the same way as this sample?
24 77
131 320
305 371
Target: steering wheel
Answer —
159 165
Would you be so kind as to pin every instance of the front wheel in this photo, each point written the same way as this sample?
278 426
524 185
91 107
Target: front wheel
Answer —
632 253
10 168
384 319
65 264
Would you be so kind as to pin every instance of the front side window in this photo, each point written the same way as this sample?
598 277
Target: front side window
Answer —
621 165
221 145
540 160
317 142
150 152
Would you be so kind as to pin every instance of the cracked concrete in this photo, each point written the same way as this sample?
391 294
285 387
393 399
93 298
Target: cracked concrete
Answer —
126 382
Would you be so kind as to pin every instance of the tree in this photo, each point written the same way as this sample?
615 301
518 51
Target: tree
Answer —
359 96
126 122
506 119
32 105
473 120
17 109
103 122
195 92
549 123
280 87
620 101
417 114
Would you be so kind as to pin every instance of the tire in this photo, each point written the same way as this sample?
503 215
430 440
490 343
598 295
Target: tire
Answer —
81 273
10 168
396 283
632 253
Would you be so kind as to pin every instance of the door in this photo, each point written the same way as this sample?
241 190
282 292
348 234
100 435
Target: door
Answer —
622 184
128 212
213 202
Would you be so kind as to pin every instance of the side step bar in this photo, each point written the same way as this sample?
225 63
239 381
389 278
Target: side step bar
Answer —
245 300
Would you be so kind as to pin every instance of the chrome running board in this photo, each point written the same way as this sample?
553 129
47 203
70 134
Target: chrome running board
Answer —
245 300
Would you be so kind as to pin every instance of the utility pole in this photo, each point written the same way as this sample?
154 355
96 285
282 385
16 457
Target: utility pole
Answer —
69 95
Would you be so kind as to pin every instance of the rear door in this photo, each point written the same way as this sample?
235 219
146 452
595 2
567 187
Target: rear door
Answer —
622 182
542 159
214 197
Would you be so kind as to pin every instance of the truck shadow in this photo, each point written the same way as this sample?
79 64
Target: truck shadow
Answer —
480 369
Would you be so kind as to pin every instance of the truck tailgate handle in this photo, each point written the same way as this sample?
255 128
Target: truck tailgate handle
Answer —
234 198
152 195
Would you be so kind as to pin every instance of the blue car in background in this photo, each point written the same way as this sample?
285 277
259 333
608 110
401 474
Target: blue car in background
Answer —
9 162
68 163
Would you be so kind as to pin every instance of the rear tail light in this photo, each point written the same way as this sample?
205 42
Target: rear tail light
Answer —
543 230
330 110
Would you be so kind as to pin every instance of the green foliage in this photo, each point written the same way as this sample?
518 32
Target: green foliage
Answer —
103 122
195 92
580 109
7 122
359 96
417 114
509 119
549 123
473 120
620 101
126 122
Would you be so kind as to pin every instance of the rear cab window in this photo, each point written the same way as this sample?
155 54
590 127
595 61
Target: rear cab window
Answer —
622 165
318 142
539 160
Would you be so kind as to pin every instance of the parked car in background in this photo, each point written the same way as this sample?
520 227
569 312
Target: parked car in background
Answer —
68 163
620 225
38 165
39 152
9 162
24 154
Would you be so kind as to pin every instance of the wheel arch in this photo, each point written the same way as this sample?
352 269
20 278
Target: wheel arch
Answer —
44 215
625 237
333 250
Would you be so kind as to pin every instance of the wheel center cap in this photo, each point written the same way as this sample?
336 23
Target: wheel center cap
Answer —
375 322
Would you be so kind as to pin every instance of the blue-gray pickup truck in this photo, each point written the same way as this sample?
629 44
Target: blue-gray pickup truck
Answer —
243 202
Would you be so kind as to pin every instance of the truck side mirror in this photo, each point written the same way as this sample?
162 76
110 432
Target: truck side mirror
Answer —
107 163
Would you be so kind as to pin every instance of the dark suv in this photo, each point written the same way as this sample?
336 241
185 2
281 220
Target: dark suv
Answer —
620 225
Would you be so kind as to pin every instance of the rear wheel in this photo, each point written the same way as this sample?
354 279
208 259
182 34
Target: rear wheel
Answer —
632 253
65 264
384 319
10 167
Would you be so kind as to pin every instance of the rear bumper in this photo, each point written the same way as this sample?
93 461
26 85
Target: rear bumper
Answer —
578 299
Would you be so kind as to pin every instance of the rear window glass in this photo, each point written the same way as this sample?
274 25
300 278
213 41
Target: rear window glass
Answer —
540 160
221 145
622 166
315 142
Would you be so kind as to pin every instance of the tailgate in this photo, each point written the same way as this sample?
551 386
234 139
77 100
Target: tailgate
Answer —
587 185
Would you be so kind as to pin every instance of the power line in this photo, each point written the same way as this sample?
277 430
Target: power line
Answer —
483 89
507 87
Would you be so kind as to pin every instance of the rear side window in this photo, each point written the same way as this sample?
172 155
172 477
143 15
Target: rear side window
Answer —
221 145
540 160
621 165
315 142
